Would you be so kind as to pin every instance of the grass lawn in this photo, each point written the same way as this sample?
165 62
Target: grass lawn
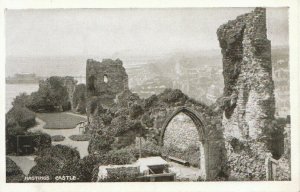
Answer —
60 120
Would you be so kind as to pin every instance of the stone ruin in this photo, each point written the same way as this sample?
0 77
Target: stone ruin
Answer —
247 71
234 139
105 79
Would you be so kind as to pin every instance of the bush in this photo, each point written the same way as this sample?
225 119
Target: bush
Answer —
46 166
41 141
106 118
118 125
62 152
94 106
147 120
57 138
127 98
72 168
100 143
89 163
21 116
85 137
53 161
120 157
22 100
135 111
122 174
148 149
172 96
151 101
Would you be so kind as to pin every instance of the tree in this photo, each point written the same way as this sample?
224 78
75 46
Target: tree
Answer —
22 100
51 94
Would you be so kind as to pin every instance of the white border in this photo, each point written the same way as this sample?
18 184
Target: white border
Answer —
294 30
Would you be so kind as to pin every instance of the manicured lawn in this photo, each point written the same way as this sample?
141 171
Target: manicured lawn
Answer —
60 120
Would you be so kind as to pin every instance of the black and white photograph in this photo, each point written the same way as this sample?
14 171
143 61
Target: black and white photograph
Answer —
137 94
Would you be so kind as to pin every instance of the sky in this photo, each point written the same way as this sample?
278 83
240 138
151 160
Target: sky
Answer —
80 32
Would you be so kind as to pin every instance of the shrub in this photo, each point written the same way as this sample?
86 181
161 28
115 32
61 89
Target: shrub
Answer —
147 120
57 138
22 100
106 118
85 137
41 141
127 98
100 143
151 101
21 116
89 163
46 166
120 157
122 174
172 96
118 125
94 106
51 161
148 149
135 111
72 168
62 152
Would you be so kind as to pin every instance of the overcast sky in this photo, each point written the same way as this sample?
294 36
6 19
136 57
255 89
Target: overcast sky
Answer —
68 32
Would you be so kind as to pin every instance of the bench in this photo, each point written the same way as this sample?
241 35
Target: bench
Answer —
177 160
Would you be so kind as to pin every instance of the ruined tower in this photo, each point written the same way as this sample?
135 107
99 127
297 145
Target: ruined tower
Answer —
248 92
247 75
105 79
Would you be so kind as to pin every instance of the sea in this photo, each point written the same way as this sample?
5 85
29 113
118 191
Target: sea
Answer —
13 90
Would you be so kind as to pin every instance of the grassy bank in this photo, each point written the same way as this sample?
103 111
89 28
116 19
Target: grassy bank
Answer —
61 120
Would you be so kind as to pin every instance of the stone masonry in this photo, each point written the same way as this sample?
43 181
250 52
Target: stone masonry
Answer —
247 75
249 102
105 79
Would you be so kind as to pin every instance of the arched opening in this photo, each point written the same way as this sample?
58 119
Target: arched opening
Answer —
183 138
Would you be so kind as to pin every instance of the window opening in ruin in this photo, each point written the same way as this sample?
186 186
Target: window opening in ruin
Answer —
181 140
105 79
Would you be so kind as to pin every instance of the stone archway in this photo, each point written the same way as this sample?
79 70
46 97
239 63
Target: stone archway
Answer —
200 126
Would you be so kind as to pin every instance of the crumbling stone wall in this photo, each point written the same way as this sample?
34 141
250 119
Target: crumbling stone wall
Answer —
105 79
181 131
154 114
247 74
248 93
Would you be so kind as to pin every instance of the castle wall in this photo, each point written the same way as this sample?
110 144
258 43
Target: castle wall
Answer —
105 79
247 75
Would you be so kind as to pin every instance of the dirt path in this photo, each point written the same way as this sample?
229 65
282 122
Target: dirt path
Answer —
24 162
184 172
81 146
